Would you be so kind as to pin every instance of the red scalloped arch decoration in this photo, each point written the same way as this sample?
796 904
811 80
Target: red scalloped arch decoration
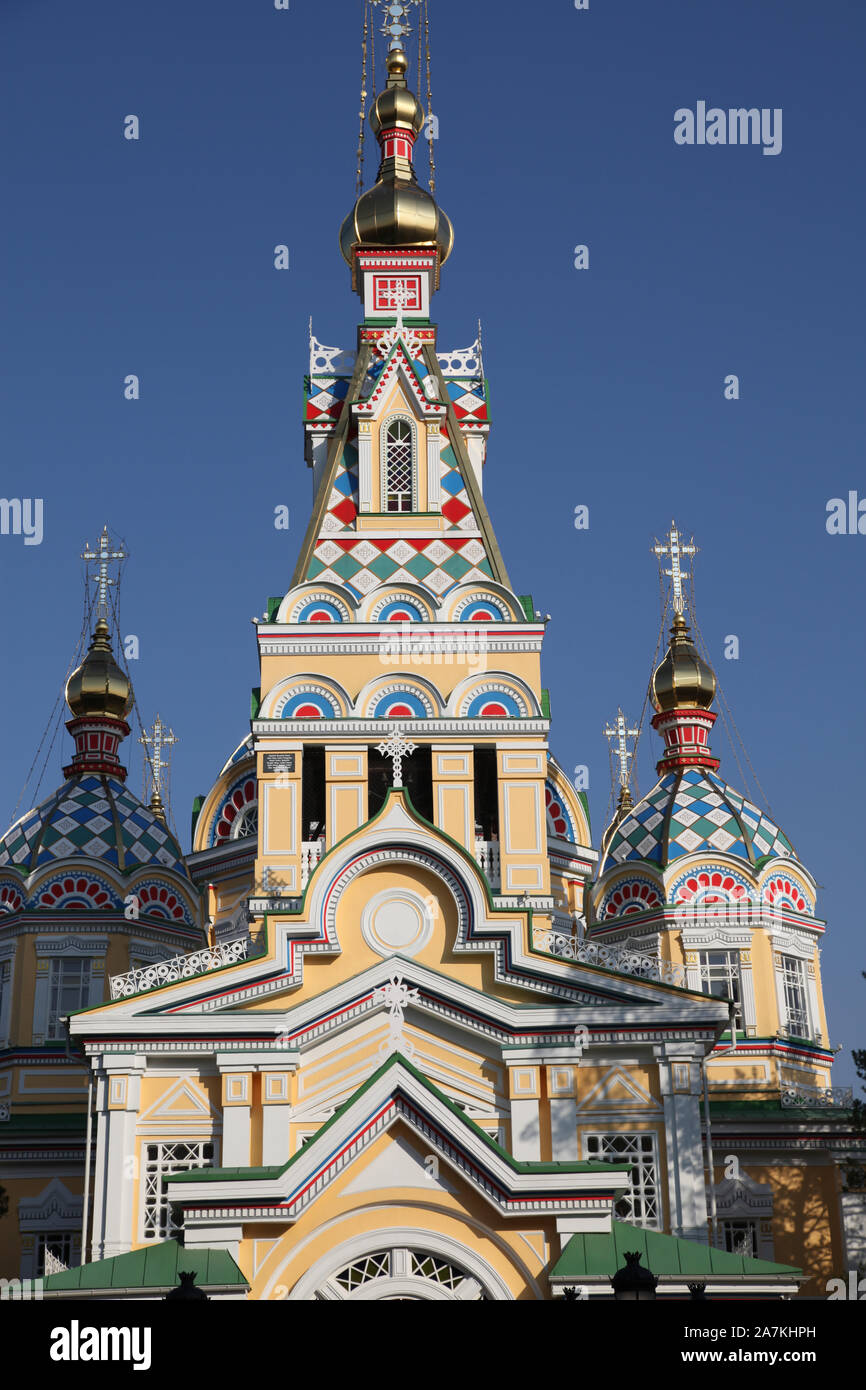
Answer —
702 885
632 897
784 890
155 900
232 807
10 898
73 892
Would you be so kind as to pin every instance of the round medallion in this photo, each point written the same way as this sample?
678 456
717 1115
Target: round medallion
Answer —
397 920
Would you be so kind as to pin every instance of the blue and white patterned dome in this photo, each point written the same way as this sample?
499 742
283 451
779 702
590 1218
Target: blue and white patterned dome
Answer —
690 811
96 817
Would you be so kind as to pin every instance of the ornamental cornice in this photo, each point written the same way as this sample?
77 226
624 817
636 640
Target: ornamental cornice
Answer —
422 640
57 1155
378 728
30 923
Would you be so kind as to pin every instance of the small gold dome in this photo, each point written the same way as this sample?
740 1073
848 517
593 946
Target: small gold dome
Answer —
396 211
98 686
397 107
683 680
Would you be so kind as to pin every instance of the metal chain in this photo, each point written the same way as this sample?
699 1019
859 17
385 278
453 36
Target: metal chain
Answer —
359 176
429 97
53 721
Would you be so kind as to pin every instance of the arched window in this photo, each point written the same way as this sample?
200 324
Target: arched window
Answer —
399 468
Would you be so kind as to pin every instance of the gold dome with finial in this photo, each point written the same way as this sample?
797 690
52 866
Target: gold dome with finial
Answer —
682 680
396 211
98 687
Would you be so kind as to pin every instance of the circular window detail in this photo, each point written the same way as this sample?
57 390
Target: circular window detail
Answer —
397 921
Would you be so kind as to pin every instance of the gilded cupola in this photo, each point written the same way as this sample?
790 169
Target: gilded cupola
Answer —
396 211
682 680
98 687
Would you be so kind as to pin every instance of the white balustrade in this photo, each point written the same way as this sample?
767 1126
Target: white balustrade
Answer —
623 957
487 854
166 972
818 1097
311 853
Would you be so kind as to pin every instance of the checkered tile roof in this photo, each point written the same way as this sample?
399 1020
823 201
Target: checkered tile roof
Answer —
95 817
690 811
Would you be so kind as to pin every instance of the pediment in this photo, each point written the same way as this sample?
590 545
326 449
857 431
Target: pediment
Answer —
183 1101
617 1090
399 1096
400 1165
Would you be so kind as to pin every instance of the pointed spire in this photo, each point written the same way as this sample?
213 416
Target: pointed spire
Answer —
98 693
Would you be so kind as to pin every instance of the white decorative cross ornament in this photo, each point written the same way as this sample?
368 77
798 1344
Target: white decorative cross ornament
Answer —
397 995
675 549
104 555
621 732
398 298
397 747
396 26
159 738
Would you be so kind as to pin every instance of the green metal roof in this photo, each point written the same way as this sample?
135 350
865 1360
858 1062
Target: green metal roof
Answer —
601 1253
153 1267
774 1110
22 1123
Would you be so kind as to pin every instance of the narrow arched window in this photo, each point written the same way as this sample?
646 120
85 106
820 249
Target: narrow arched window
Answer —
399 467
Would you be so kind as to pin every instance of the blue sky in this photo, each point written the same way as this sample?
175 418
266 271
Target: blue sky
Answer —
155 257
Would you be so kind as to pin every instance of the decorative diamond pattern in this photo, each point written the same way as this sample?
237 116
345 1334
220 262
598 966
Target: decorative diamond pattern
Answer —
701 812
362 562
80 820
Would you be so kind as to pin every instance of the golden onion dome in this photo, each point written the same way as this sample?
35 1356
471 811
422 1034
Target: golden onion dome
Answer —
683 680
98 686
396 211
397 107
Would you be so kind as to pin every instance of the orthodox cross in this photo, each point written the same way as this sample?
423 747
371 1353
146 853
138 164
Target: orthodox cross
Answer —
397 996
397 747
396 26
159 738
104 555
399 298
676 550
621 732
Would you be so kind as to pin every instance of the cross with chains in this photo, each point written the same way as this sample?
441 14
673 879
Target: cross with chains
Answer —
621 732
397 26
104 554
397 748
159 738
676 550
